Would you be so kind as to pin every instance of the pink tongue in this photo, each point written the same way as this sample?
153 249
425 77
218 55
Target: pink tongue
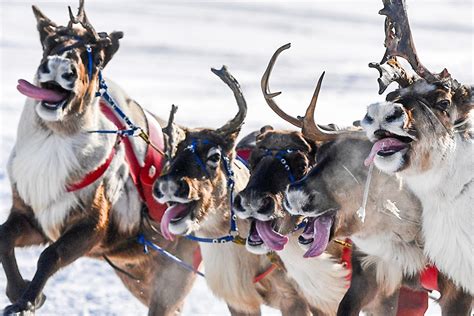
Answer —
170 213
271 238
385 143
322 228
38 93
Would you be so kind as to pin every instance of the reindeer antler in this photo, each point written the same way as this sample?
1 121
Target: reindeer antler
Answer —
391 71
236 123
168 130
307 124
269 95
399 42
82 19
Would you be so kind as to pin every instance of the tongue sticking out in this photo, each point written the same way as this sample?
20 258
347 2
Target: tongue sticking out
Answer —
322 229
172 212
384 144
270 237
38 93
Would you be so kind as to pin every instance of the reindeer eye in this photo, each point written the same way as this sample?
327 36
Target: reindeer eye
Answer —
443 105
213 158
368 119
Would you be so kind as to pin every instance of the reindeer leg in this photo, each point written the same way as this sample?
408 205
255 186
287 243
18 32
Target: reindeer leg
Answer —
76 242
167 300
454 301
17 231
362 290
79 238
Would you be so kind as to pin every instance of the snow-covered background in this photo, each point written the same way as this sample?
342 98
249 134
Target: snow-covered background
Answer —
165 58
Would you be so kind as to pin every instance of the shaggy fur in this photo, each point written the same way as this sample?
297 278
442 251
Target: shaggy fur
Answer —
53 149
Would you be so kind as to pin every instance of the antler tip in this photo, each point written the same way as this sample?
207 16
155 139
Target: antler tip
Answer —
273 94
219 71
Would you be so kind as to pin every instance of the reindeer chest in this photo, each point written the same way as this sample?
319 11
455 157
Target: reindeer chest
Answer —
447 228
230 271
39 167
322 280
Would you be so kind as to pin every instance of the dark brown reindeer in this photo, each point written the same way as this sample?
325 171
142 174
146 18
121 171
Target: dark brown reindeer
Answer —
278 159
387 245
424 135
196 186
54 151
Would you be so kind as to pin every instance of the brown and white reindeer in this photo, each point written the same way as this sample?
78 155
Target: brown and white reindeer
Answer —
197 185
278 159
424 135
387 245
55 152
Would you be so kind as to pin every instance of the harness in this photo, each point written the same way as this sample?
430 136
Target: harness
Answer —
233 235
143 174
279 154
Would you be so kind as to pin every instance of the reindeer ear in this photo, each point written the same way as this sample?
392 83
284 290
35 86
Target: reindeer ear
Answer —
463 98
111 49
266 128
44 25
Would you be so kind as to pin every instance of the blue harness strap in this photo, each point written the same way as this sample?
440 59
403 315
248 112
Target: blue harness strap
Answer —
146 243
280 155
233 232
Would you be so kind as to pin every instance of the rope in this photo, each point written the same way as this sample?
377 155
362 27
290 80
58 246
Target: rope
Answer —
131 276
146 243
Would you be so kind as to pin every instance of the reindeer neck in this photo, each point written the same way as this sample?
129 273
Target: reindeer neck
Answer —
217 222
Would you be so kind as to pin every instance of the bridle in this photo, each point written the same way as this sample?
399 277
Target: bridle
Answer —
233 235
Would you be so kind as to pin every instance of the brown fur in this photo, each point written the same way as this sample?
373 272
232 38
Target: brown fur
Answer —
230 269
91 227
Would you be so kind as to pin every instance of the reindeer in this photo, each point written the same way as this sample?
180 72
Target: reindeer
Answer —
198 185
424 135
278 159
55 151
387 245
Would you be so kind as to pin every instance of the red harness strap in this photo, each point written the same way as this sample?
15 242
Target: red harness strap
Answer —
429 278
92 176
143 176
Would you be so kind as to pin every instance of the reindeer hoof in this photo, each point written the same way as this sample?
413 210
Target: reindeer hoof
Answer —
20 308
15 295
40 301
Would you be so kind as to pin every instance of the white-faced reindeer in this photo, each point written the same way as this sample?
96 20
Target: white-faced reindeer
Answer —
198 184
55 152
387 245
424 135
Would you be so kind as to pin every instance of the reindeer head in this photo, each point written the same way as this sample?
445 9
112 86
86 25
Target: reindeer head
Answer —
278 159
417 126
67 77
194 182
299 158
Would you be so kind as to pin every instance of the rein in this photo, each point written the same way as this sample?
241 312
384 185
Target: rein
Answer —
233 235
133 130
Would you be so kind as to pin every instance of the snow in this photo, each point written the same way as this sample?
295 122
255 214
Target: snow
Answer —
165 58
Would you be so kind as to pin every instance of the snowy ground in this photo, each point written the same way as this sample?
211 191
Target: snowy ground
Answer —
165 58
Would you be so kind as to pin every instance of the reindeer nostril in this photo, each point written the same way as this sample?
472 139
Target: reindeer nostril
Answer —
380 133
44 68
268 206
68 76
238 204
156 190
182 190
